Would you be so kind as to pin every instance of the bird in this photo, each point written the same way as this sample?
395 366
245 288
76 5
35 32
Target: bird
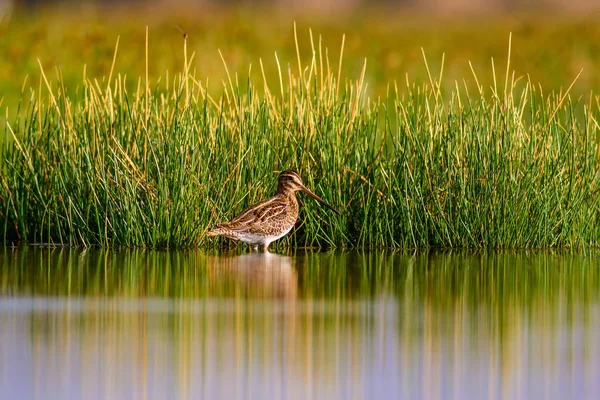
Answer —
262 223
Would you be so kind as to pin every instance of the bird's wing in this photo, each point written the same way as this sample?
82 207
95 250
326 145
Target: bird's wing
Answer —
257 215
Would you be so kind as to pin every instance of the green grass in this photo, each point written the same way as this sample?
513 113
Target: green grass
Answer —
141 162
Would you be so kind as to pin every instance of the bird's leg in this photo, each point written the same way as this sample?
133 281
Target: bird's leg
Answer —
266 248
254 248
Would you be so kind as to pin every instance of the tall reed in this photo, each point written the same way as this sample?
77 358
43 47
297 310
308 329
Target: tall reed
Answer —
506 166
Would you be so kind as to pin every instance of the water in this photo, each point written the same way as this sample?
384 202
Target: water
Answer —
188 325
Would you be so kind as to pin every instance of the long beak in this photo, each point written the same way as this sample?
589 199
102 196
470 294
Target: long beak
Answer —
320 200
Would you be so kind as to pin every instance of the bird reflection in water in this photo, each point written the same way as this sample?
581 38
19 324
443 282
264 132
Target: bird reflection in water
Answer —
254 275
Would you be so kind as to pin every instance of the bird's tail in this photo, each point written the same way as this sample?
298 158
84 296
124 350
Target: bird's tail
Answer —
216 231
213 232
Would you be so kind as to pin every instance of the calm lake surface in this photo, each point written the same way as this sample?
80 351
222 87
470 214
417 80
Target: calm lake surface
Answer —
91 324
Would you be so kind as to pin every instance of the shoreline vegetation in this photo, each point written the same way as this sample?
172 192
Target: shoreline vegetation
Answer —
500 166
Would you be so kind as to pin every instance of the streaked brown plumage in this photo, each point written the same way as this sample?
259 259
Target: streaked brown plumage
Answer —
271 219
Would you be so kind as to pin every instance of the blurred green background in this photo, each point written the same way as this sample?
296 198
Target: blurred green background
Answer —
552 41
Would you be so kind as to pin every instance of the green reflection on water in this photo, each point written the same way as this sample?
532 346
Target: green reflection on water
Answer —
303 325
474 278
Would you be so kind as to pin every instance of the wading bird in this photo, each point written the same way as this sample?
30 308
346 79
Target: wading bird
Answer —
271 219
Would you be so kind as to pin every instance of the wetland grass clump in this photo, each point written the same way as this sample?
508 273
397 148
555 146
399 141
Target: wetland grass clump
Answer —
155 167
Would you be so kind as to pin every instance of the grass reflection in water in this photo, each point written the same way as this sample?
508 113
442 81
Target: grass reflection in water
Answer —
185 325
